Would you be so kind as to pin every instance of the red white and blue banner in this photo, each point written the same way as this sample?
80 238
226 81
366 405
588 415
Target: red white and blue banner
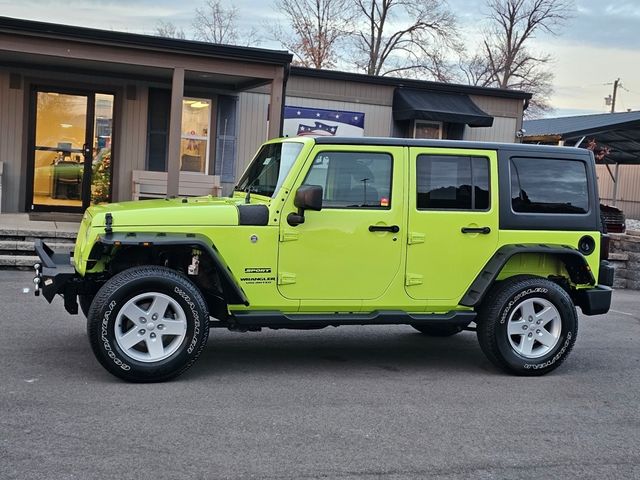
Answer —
299 122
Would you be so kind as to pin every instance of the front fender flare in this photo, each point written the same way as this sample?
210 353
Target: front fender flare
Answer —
233 293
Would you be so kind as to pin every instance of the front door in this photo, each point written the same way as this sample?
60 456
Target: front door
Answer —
453 221
69 150
350 250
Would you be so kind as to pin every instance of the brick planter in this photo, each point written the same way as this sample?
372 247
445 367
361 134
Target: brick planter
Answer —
625 257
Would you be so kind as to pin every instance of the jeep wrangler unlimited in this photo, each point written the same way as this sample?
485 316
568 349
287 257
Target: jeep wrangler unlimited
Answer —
438 235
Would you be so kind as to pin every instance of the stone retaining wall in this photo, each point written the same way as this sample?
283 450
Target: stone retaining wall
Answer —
625 257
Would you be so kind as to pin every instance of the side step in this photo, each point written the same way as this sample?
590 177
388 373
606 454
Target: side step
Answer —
277 320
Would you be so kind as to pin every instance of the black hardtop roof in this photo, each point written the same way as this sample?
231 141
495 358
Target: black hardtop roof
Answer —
412 142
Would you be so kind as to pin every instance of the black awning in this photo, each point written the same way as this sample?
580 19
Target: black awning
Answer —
409 104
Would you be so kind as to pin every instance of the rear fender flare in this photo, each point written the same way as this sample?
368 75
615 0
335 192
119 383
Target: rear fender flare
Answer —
574 261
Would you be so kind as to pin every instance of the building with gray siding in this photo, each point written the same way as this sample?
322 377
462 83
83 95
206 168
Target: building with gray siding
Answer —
88 116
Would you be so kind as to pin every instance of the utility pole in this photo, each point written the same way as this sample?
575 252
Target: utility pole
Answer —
611 99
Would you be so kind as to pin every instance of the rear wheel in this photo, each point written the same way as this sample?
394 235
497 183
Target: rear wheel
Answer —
148 324
527 325
438 330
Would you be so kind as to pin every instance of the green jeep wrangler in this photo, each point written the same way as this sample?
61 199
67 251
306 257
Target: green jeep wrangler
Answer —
444 236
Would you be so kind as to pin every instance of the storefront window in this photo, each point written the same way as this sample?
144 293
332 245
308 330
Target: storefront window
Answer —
101 162
196 125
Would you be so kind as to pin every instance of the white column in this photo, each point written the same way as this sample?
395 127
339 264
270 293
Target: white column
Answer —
275 105
175 132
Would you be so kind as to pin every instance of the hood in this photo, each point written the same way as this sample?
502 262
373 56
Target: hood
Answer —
169 212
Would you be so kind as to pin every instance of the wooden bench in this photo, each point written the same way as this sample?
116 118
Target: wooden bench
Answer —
148 184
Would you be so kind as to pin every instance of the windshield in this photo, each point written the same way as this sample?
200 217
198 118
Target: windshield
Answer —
269 169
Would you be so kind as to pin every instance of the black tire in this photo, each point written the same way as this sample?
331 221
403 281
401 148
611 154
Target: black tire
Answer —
85 302
438 330
138 281
503 300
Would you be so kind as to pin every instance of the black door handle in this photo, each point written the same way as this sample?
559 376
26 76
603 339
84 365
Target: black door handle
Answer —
384 228
482 230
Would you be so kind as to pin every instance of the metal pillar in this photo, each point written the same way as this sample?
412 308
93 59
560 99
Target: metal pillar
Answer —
615 183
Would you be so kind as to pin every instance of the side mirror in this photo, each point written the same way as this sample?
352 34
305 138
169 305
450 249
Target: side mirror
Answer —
308 197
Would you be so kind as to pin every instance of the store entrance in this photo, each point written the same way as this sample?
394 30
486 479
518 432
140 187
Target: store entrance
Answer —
69 150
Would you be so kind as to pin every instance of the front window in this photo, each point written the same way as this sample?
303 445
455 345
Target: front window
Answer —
269 168
352 179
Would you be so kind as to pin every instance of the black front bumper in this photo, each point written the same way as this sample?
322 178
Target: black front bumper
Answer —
55 275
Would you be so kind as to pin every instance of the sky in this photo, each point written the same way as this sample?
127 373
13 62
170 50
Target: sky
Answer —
599 43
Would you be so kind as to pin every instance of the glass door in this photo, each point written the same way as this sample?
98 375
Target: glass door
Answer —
70 150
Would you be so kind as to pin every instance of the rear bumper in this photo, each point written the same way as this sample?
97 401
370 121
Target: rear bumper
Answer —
55 275
605 277
594 301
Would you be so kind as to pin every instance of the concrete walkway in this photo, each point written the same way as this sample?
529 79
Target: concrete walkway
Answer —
19 224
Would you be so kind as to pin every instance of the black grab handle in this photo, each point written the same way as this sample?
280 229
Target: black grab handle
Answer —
482 230
384 228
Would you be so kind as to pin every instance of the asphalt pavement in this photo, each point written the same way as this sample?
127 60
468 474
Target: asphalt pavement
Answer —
347 403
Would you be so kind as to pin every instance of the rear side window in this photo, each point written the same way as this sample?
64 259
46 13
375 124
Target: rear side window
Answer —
448 182
352 179
544 185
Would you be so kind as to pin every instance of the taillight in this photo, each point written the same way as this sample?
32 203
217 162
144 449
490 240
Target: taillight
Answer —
605 240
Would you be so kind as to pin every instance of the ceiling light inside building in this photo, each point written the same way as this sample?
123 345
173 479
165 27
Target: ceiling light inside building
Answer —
199 105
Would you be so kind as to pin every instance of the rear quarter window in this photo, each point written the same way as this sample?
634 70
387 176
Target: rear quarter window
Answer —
549 185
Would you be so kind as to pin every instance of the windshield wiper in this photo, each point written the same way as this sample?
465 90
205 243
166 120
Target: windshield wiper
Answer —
247 198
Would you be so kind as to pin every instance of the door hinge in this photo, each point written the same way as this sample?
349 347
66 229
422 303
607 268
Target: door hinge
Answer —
285 278
288 236
413 279
415 237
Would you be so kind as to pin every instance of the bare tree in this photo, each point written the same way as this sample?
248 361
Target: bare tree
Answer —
404 37
506 60
216 23
317 28
168 30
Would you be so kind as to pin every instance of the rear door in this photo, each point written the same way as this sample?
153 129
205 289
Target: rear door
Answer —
453 221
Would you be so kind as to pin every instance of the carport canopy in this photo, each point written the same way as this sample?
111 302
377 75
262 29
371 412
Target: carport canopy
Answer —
412 104
618 131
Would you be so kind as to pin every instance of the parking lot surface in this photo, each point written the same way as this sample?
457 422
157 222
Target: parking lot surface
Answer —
347 403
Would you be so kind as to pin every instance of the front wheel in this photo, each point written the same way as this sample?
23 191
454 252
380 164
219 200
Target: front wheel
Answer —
148 324
527 325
